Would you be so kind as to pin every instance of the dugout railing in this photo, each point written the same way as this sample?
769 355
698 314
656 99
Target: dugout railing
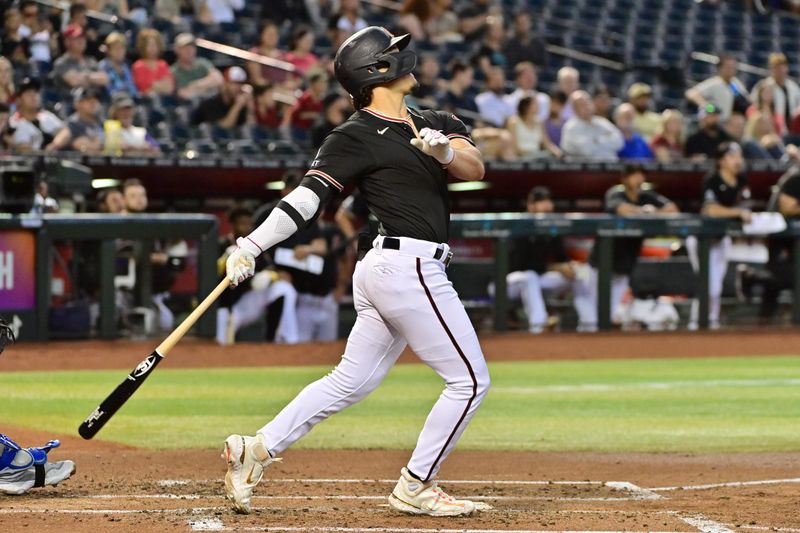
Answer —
26 253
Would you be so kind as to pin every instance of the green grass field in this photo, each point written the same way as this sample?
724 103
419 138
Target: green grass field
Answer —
667 405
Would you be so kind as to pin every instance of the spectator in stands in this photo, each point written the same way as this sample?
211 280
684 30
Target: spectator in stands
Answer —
764 106
31 128
232 107
668 144
128 139
524 45
586 136
725 90
530 139
474 17
151 73
5 136
751 150
429 84
195 77
301 116
84 131
786 91
703 143
458 95
110 201
538 265
117 8
300 51
43 41
555 122
430 20
222 11
646 123
120 79
266 291
526 80
74 69
725 194
7 91
15 45
267 112
492 103
267 47
336 109
78 16
628 199
601 98
345 22
762 130
636 146
490 54
568 80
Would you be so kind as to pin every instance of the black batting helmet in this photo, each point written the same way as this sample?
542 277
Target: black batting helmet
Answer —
359 58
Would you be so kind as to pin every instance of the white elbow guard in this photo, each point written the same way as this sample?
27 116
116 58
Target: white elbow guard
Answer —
291 214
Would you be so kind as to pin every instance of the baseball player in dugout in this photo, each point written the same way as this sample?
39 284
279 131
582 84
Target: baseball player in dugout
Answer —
400 160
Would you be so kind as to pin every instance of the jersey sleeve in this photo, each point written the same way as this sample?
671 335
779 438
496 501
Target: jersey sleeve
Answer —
454 128
340 160
655 199
615 198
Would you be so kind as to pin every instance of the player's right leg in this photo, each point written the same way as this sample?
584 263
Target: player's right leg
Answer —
22 469
371 351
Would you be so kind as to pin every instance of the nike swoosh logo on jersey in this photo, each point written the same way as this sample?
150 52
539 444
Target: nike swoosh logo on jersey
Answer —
381 132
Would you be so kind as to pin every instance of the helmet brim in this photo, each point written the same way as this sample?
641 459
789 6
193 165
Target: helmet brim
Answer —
401 41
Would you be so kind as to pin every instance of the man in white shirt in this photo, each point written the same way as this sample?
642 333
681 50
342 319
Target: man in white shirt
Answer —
725 90
568 80
786 91
222 10
587 136
492 103
31 128
526 79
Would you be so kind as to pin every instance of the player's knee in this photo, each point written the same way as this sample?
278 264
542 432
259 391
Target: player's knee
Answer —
483 383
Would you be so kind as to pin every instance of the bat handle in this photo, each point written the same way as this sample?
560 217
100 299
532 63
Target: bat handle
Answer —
168 343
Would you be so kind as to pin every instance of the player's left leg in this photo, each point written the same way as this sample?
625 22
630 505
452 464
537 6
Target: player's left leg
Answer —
22 469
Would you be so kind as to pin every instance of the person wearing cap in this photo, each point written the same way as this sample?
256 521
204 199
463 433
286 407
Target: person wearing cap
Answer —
84 131
785 91
725 194
151 73
31 128
646 122
587 136
74 68
725 90
194 76
232 107
703 143
632 197
120 79
132 140
538 265
302 115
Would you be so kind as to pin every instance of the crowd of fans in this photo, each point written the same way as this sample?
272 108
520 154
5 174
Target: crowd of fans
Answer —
74 81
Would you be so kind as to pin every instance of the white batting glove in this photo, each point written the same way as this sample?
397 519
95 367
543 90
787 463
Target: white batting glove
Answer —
241 264
435 144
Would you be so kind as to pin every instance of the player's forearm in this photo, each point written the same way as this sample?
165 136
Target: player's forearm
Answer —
291 214
720 211
467 164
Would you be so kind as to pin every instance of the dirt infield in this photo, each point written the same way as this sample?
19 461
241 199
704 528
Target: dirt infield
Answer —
119 488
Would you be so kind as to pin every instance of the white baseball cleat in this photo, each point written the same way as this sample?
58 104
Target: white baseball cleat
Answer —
412 496
247 457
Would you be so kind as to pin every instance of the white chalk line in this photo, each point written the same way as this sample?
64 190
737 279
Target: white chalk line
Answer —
766 528
179 482
705 525
647 385
729 484
339 497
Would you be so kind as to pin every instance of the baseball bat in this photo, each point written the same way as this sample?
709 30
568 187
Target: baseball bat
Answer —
103 413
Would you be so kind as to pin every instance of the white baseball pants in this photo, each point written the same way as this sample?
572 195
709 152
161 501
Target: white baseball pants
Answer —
252 304
717 267
586 296
401 297
317 317
530 287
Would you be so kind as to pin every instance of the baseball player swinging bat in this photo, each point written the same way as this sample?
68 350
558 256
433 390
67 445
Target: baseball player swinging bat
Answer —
103 413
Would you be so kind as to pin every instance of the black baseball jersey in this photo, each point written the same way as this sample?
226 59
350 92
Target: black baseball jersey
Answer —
537 253
626 249
404 188
716 190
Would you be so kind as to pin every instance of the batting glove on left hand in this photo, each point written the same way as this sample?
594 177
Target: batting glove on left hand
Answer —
435 144
241 264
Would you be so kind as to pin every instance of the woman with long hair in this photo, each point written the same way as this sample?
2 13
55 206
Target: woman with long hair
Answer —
530 139
151 73
668 145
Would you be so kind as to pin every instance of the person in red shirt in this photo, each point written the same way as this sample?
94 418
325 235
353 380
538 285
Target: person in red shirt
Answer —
266 110
309 106
300 54
151 74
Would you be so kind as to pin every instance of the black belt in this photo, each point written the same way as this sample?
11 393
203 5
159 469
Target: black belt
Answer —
393 243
